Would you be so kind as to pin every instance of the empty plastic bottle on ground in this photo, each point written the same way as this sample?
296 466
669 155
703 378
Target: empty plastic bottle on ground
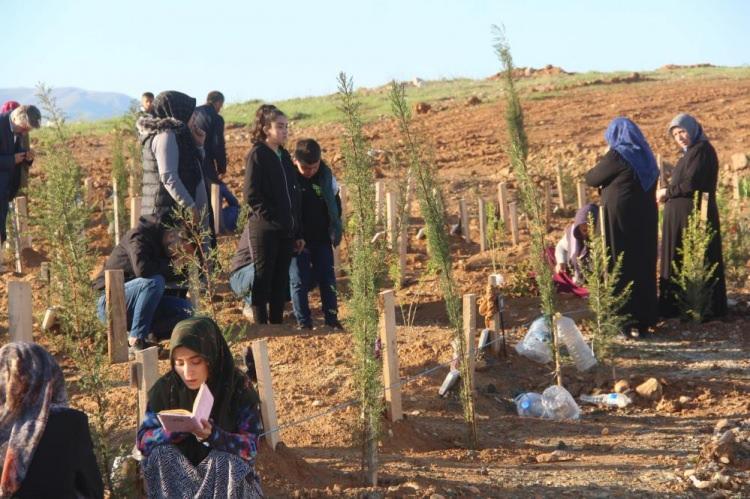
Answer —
529 405
559 404
571 336
535 345
611 399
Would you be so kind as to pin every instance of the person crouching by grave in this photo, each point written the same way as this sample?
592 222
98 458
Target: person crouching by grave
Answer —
321 230
217 457
45 446
171 145
571 254
14 155
275 232
242 273
149 256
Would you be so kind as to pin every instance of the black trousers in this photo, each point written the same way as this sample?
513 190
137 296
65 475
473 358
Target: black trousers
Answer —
272 254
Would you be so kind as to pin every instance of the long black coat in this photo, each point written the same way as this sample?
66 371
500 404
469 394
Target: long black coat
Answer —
696 171
215 162
64 465
631 223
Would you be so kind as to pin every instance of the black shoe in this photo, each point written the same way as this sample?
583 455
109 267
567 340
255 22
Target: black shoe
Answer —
304 327
335 325
140 344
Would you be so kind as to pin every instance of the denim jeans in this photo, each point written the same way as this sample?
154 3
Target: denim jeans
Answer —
313 267
241 282
231 212
149 309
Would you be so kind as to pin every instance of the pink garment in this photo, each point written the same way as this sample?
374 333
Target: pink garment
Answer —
9 106
563 282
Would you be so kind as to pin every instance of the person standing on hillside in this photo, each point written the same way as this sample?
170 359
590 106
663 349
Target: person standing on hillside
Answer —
321 230
274 228
15 155
696 171
627 178
147 104
208 119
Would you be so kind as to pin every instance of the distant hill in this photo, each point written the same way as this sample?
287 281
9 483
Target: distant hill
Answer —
77 104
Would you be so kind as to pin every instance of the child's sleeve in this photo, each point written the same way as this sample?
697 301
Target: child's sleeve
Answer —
151 434
244 442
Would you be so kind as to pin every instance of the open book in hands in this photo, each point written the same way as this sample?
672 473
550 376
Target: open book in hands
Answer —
182 421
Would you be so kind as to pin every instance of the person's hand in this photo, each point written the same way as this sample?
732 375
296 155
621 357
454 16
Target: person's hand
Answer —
20 157
299 245
30 155
561 268
205 431
661 195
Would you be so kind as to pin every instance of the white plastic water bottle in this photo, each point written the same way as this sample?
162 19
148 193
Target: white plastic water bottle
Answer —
611 399
577 347
535 344
529 405
559 404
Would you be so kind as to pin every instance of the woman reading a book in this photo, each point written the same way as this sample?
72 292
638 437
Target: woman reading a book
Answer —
218 454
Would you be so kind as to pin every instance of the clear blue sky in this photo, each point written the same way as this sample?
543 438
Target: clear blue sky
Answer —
289 48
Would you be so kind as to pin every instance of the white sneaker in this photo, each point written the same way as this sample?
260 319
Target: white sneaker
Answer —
247 312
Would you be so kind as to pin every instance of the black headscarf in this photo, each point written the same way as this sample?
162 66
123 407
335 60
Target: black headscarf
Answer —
174 104
229 386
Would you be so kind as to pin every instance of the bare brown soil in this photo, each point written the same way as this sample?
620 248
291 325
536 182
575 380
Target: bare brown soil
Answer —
639 451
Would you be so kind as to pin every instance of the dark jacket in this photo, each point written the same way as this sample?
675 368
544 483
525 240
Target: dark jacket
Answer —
215 162
10 144
64 465
244 254
140 254
321 207
272 191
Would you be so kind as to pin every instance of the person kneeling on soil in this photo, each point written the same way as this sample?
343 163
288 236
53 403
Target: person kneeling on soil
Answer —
218 457
572 252
242 273
148 256
321 230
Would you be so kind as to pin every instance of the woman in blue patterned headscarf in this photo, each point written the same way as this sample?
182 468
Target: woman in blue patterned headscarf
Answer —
626 177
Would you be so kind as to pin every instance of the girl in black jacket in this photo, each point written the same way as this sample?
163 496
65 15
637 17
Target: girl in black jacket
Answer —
272 192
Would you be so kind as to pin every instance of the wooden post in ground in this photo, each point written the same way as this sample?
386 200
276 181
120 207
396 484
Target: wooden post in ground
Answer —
22 213
470 327
496 327
116 205
265 392
482 214
560 188
88 191
546 192
344 198
216 207
17 246
502 201
19 311
391 204
146 367
379 200
704 206
602 223
391 378
513 217
117 319
464 219
581 190
135 211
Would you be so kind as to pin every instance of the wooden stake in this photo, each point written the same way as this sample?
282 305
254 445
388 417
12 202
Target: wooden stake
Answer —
560 189
547 203
117 319
482 211
135 211
17 245
391 200
265 392
88 191
216 207
513 216
116 203
496 333
502 201
343 197
146 366
464 219
21 204
391 378
19 311
379 201
602 223
581 188
704 206
470 326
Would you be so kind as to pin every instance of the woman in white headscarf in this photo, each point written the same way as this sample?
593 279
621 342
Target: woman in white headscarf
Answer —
696 171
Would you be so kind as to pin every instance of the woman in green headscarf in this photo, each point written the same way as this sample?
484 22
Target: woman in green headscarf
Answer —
218 457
